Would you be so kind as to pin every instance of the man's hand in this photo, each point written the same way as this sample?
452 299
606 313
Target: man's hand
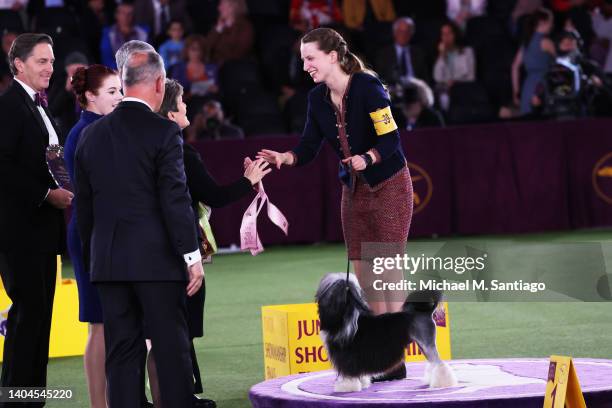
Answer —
196 276
60 198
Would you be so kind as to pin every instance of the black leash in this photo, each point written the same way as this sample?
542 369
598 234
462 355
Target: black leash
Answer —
353 179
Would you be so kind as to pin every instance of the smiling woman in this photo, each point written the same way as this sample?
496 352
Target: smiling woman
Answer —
350 109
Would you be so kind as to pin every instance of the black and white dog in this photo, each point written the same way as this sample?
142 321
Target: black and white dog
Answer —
361 344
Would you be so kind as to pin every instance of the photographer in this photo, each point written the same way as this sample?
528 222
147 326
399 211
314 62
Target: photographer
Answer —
574 86
210 124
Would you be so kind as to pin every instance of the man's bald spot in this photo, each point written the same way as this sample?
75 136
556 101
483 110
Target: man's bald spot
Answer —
137 59
142 67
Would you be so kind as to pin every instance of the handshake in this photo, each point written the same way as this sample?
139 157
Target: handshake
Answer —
255 170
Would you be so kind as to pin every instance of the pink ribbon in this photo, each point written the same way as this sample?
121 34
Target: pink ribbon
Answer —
249 238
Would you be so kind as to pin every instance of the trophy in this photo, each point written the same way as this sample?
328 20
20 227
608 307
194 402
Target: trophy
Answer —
57 167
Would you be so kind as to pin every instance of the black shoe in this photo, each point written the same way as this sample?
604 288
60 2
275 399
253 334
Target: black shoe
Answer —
203 402
398 373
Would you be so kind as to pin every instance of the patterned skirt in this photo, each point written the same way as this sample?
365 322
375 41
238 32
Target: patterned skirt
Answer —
379 215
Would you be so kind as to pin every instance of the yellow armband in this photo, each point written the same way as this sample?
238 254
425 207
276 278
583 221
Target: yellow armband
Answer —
383 121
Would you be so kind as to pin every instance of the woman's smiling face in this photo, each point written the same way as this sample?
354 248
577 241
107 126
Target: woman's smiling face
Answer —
317 63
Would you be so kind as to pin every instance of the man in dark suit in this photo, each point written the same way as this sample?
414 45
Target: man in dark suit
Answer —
399 62
139 236
157 15
31 204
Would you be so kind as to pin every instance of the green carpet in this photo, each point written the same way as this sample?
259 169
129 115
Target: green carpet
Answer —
238 285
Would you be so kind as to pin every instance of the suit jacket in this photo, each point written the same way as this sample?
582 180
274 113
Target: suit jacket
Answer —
27 222
387 64
144 14
133 208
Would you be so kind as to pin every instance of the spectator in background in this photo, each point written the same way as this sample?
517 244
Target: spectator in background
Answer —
602 25
355 12
536 55
418 107
62 102
11 12
575 17
233 36
399 62
157 15
455 62
460 11
305 15
122 31
172 49
197 77
210 124
6 78
369 22
522 9
92 21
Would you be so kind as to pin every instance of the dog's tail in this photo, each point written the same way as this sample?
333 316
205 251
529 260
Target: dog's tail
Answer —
422 301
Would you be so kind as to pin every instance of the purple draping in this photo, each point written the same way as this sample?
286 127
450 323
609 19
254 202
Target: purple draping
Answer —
487 179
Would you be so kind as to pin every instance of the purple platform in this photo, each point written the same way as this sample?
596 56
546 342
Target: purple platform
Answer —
486 383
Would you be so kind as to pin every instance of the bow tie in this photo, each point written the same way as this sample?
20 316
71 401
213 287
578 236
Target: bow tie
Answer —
40 99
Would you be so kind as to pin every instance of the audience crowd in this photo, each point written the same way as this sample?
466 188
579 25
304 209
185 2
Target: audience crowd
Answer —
444 62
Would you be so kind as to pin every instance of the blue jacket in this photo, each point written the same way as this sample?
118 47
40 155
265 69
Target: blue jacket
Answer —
366 102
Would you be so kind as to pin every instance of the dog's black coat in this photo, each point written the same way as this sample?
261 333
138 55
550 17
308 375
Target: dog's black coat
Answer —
378 342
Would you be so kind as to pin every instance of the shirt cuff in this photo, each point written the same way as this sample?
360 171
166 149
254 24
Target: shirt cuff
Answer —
192 257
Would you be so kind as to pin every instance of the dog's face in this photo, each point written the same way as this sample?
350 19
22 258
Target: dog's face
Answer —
339 307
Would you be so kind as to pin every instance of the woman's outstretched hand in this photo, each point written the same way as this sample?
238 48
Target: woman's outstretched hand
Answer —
255 170
275 158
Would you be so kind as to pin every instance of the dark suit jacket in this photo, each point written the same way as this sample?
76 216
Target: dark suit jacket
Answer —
27 222
144 14
387 64
133 208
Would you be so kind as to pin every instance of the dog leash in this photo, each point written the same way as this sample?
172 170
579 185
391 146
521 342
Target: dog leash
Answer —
349 208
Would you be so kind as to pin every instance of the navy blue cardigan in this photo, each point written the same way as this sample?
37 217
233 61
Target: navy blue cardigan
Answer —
366 94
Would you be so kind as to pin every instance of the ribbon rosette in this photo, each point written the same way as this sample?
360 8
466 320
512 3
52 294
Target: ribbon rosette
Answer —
249 238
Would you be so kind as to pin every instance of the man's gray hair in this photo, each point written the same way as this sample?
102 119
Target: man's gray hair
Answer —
123 53
406 20
143 70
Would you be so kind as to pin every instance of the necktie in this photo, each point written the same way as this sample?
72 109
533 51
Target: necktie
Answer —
40 99
402 62
165 18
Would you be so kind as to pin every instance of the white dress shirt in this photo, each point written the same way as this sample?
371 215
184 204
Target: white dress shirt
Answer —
191 257
53 139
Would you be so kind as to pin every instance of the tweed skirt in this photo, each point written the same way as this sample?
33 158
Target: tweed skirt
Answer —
379 215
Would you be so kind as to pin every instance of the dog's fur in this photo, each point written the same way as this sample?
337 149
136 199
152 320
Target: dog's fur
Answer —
361 344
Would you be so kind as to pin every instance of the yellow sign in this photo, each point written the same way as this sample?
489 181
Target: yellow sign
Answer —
292 345
68 334
563 388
